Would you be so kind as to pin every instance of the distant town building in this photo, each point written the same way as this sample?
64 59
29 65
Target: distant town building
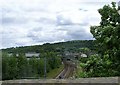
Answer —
27 55
83 55
32 54
75 55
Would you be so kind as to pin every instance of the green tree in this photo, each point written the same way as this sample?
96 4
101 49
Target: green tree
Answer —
96 66
22 64
9 67
12 67
53 59
107 34
5 66
40 67
33 62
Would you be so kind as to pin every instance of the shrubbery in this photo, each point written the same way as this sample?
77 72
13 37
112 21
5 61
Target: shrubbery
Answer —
20 67
96 66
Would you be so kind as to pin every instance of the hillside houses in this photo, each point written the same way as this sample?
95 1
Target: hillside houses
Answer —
27 55
67 54
74 55
31 54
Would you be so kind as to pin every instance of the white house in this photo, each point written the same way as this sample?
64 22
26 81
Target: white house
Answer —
83 55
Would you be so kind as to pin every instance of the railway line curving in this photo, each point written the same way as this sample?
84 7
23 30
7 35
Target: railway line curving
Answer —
67 72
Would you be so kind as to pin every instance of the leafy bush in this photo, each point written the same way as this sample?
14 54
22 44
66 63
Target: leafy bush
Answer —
97 66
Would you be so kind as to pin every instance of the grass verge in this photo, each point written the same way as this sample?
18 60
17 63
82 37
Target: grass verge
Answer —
53 73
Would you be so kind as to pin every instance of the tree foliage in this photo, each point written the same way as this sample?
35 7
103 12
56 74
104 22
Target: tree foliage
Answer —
9 67
95 66
107 36
107 62
17 67
107 33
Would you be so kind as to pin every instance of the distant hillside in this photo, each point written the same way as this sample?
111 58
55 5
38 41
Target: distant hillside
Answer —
56 47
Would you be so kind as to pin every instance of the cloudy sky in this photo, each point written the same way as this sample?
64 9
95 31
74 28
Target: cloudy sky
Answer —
33 22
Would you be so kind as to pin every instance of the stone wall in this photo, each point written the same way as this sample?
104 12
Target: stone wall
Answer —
81 81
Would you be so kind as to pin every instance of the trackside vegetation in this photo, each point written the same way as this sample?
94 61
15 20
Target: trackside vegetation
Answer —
22 68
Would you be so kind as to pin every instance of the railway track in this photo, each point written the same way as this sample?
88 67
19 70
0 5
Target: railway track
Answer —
67 71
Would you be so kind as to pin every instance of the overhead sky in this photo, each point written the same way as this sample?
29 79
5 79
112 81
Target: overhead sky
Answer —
34 22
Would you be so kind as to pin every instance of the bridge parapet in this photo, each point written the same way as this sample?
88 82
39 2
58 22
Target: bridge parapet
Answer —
81 81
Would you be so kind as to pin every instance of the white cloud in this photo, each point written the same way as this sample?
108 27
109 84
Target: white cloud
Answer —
30 22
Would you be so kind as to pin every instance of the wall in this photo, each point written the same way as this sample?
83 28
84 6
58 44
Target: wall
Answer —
81 81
